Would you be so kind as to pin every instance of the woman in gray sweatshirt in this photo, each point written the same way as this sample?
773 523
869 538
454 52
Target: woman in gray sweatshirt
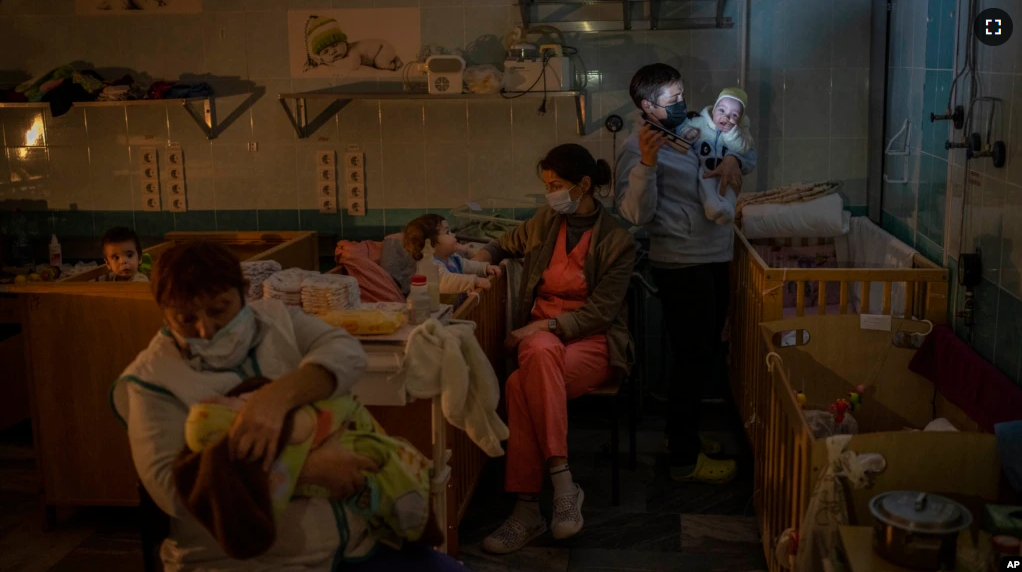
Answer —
658 189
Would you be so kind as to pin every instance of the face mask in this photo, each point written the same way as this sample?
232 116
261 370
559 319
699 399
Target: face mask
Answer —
677 113
229 347
561 201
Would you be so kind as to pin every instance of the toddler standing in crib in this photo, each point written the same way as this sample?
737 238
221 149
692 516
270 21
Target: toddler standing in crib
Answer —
457 275
122 252
714 133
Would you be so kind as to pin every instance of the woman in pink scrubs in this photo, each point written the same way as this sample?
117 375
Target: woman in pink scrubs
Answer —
571 337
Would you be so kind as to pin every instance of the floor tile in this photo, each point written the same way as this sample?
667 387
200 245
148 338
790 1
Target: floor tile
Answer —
699 531
528 559
609 560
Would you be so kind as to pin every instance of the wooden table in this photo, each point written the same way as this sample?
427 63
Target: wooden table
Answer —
857 546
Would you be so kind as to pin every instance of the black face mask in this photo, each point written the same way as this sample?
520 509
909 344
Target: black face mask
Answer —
677 113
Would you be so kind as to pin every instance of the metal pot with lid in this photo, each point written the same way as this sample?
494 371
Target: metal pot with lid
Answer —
917 530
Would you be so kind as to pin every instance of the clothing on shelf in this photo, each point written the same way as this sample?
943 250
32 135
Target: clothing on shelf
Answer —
256 272
324 293
286 286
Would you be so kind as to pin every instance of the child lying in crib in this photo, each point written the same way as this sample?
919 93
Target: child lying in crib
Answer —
393 506
457 274
714 133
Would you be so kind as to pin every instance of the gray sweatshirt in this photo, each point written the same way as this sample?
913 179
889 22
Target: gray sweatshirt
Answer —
666 201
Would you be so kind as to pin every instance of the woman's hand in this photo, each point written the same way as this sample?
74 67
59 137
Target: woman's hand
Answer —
492 270
256 431
483 283
650 142
730 174
518 336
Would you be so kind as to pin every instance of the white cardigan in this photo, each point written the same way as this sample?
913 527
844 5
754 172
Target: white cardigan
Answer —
153 396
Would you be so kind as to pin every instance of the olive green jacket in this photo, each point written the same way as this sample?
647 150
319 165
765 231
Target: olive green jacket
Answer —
608 270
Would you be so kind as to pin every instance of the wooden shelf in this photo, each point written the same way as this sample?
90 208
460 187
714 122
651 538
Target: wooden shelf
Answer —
297 112
627 23
206 121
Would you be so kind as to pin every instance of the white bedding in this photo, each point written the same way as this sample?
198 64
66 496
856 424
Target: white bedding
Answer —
824 217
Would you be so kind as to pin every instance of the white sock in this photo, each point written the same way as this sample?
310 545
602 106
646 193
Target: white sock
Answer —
560 476
527 509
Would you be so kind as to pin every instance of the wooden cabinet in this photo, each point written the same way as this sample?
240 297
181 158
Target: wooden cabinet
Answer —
78 338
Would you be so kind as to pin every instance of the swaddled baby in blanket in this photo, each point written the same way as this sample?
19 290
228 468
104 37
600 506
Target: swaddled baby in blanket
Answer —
713 134
393 507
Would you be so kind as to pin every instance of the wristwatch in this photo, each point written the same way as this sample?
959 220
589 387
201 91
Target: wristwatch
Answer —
552 324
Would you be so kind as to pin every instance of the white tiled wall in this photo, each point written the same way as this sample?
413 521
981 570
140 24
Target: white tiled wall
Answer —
807 90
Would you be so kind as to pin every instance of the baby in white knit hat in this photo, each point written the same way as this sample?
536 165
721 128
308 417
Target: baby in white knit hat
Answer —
717 131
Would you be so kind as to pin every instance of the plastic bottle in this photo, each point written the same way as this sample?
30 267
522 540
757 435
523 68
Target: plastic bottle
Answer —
418 301
56 259
22 248
427 268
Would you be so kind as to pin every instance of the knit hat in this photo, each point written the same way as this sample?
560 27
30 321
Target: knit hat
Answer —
321 33
734 93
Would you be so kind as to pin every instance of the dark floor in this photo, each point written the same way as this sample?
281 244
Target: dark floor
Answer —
659 526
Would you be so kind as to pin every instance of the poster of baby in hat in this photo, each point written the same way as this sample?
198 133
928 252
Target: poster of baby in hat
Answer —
356 43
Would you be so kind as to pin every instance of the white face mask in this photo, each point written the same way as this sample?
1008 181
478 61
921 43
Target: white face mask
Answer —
229 347
561 201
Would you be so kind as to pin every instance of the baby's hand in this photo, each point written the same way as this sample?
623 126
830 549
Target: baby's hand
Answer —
492 270
483 283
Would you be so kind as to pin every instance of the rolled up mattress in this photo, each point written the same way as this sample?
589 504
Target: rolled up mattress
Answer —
824 217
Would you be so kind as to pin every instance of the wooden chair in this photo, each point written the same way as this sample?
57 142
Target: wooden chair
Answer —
628 387
154 527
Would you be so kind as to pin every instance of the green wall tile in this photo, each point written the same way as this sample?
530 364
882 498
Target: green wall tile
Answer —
237 220
278 219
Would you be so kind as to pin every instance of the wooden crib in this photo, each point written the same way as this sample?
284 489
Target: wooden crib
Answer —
833 355
756 296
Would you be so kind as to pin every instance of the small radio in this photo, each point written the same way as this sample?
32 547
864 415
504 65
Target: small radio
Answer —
445 74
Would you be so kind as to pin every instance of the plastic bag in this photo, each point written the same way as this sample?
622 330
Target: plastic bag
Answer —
483 79
823 425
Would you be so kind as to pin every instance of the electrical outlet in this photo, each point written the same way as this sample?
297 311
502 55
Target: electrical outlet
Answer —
327 206
325 174
354 160
150 188
151 203
174 155
176 173
176 188
149 155
354 176
150 172
178 204
356 207
327 189
355 192
325 158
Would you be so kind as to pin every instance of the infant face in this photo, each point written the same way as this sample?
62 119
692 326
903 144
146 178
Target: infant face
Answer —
727 114
334 52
